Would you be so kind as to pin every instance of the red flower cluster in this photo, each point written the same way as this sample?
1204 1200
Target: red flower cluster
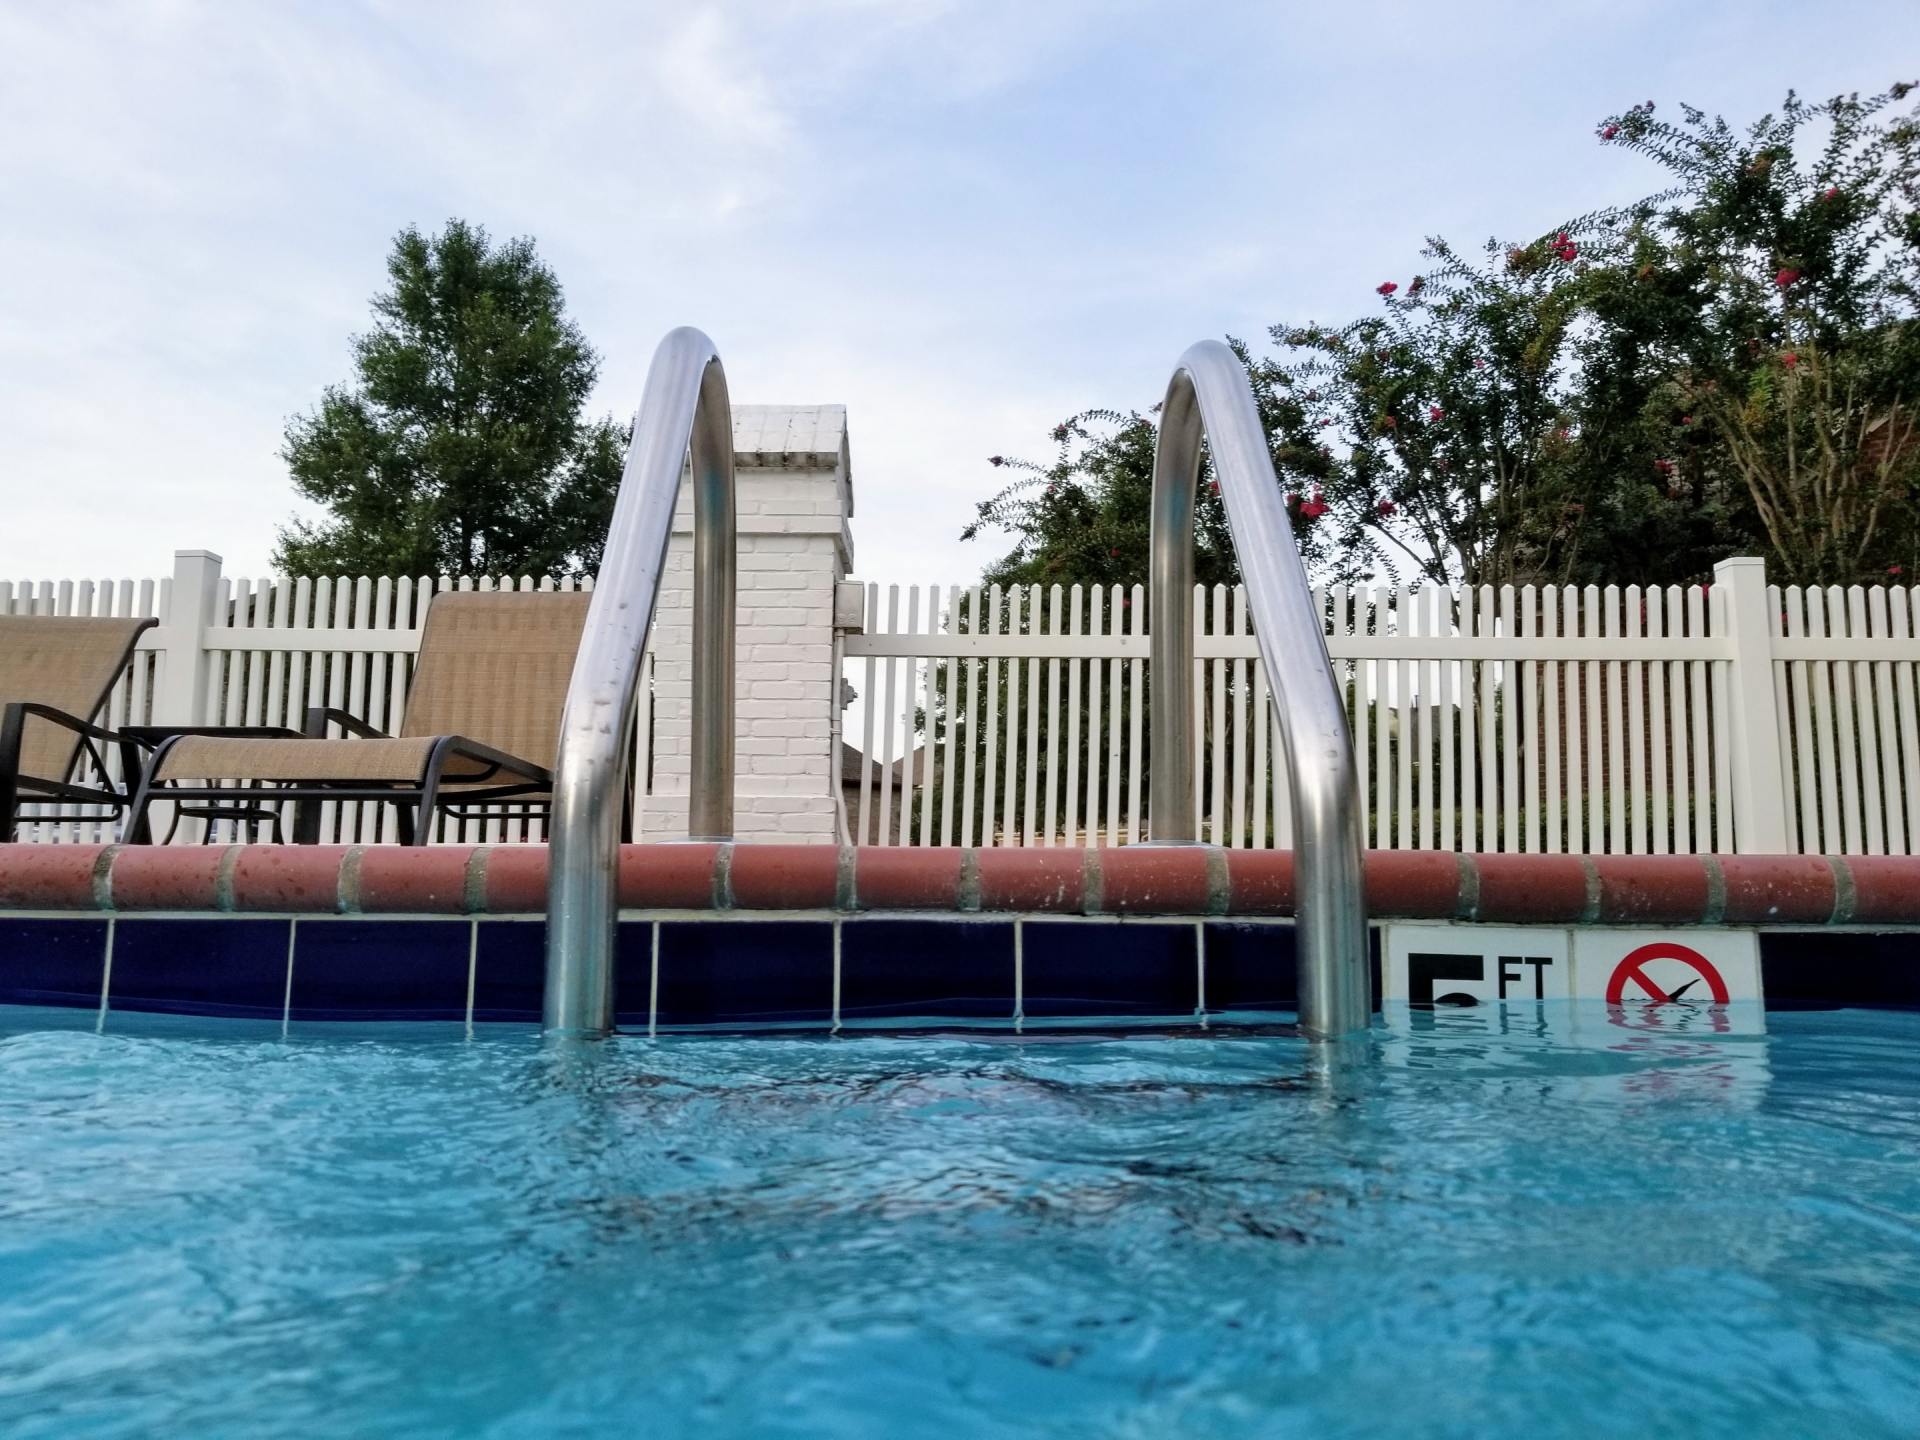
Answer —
1434 412
1387 289
996 459
1665 467
1315 507
1790 359
1609 132
1114 553
1564 248
1059 432
1832 192
1784 278
1896 570
1386 508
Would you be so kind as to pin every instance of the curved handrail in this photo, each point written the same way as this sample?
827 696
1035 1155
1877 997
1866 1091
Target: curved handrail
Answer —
1209 395
683 410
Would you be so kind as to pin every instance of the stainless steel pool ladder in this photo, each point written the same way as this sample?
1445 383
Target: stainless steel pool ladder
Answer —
683 411
1209 395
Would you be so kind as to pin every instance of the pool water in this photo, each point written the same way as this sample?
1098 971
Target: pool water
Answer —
1552 1222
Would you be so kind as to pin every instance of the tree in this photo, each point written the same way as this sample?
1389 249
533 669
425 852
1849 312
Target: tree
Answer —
1791 365
460 449
1730 366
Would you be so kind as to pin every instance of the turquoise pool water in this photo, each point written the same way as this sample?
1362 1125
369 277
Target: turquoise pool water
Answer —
1536 1225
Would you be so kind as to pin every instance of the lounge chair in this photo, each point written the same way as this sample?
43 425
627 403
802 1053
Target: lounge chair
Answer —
55 674
481 726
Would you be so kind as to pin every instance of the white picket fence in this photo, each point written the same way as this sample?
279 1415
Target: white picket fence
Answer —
1613 720
1609 719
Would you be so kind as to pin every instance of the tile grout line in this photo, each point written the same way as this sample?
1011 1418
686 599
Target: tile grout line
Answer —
653 983
836 976
286 999
106 979
1019 975
473 969
1200 956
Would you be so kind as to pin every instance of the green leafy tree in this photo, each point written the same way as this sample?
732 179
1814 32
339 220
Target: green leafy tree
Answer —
1785 267
1726 367
460 448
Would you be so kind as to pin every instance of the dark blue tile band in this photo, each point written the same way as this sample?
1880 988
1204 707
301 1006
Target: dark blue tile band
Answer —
1080 969
235 967
54 961
959 969
381 970
745 972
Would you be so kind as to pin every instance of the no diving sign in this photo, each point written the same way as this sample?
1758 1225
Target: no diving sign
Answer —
1648 972
1636 968
1429 964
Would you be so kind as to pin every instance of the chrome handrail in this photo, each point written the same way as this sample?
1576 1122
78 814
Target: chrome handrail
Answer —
1209 395
683 411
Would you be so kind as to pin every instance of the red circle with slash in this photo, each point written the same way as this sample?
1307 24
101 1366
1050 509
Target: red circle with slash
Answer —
1633 968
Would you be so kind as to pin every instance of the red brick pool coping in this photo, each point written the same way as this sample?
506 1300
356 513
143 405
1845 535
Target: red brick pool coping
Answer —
1787 890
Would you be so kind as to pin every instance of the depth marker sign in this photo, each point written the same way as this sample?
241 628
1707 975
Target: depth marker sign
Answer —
1428 964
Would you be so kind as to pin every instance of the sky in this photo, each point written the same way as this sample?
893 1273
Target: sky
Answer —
963 221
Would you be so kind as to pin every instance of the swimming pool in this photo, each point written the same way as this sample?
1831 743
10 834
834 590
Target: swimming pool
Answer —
1539 1221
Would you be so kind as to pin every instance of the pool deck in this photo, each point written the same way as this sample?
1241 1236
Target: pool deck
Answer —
1798 891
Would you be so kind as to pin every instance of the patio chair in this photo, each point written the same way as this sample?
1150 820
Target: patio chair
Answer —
55 675
481 725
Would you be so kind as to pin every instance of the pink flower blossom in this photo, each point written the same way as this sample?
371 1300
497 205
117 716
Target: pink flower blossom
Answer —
1786 277
1434 412
1315 507
1386 288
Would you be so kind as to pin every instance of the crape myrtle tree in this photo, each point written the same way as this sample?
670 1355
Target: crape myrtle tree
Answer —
1728 366
460 447
1772 296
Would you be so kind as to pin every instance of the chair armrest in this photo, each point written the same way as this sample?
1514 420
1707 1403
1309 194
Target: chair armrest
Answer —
84 728
320 716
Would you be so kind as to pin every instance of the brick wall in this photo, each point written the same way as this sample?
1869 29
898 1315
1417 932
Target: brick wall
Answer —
795 500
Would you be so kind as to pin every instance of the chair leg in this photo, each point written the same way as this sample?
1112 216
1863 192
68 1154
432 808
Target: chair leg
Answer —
306 822
403 822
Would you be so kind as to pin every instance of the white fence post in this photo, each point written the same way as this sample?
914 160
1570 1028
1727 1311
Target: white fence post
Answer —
1759 780
180 689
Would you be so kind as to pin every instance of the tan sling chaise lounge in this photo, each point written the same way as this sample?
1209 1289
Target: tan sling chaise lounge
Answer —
55 674
481 725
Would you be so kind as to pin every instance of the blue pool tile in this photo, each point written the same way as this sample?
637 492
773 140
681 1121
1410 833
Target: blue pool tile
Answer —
632 973
1250 967
53 961
1074 968
380 970
1827 970
751 972
947 968
510 970
230 966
